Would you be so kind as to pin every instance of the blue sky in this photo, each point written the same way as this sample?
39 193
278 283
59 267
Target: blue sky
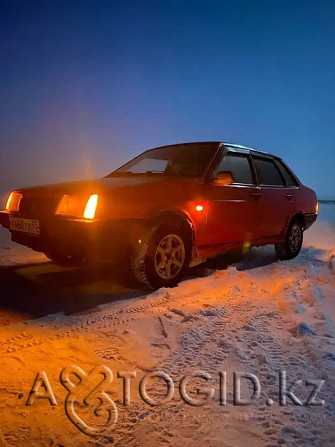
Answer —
86 85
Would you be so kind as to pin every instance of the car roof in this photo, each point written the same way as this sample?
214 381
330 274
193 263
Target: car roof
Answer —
238 147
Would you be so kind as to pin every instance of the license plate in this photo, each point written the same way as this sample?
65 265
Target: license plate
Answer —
24 225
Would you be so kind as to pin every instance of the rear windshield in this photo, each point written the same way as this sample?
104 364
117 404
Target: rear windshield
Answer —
184 160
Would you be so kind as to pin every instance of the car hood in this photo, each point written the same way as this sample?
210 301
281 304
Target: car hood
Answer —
102 185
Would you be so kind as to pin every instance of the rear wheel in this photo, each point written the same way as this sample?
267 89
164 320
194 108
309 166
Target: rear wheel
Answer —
162 257
293 242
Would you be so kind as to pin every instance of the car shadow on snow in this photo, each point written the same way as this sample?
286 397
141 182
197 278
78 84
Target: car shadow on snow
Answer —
254 258
37 290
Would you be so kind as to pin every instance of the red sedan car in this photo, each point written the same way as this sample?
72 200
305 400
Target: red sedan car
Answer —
167 209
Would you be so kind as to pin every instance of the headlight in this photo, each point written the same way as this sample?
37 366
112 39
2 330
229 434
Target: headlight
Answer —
78 206
13 201
91 207
71 206
317 208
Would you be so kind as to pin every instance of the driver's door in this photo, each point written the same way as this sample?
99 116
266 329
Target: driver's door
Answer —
232 210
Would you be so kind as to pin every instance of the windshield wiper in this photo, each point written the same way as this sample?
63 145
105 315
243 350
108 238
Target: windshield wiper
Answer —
154 172
130 173
120 174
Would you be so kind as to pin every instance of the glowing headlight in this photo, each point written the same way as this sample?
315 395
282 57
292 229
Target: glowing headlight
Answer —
13 202
91 207
70 206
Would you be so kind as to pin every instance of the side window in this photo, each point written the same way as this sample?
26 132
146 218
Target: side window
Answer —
289 179
268 173
238 165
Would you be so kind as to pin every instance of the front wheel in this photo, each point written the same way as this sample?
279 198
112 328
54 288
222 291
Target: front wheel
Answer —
162 257
293 242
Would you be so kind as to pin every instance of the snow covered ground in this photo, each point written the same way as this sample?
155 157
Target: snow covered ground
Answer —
258 315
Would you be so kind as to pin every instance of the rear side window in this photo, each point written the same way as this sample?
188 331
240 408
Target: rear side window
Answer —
239 166
268 173
289 179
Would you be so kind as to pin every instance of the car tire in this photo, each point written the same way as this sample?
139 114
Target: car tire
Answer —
293 242
162 256
63 260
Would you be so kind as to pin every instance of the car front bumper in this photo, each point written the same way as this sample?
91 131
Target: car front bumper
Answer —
94 240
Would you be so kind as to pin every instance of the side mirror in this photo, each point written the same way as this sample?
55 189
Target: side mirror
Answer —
223 178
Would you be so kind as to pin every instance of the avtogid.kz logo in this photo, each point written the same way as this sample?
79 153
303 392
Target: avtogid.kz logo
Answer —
97 399
106 404
88 397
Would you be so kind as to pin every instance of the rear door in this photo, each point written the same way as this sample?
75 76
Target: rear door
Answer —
233 209
277 201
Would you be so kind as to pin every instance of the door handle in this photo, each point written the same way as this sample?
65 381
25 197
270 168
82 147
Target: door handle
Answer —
255 195
289 196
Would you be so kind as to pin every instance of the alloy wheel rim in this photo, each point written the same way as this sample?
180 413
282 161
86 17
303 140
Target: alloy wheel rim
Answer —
169 256
295 238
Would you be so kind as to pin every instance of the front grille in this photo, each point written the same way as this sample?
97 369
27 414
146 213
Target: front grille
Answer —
38 206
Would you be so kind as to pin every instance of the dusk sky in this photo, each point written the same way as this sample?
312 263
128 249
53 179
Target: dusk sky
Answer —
87 85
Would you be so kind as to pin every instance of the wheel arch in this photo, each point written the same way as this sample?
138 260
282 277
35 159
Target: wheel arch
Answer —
142 255
299 217
174 216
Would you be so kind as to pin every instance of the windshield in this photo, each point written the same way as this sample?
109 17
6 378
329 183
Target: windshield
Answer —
182 160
